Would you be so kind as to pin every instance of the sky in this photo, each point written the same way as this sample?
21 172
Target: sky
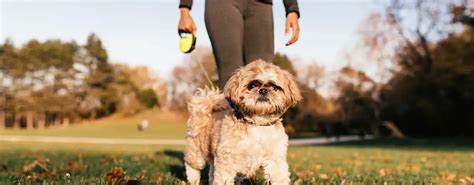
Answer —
144 32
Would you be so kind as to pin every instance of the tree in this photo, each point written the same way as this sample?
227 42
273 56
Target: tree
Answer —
430 94
311 75
145 80
53 82
358 108
198 71
302 117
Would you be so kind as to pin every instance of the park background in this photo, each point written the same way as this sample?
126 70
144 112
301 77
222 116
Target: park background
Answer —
79 79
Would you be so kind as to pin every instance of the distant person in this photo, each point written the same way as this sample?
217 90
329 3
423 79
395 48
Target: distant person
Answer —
241 31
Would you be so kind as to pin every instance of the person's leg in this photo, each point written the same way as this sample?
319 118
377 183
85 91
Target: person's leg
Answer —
258 32
224 23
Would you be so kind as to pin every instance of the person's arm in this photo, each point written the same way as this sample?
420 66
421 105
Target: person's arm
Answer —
291 6
186 4
186 22
292 15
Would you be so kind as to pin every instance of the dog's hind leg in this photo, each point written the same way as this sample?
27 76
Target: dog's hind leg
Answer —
193 175
200 123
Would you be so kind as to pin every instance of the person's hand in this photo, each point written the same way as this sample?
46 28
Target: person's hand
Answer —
292 22
186 22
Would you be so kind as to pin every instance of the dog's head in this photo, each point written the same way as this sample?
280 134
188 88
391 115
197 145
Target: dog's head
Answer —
262 89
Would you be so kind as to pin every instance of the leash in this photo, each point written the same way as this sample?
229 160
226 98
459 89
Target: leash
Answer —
187 45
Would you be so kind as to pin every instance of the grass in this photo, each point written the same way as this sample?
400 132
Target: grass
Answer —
163 125
85 164
409 161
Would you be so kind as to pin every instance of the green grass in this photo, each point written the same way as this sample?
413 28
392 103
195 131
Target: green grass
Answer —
162 126
409 161
163 164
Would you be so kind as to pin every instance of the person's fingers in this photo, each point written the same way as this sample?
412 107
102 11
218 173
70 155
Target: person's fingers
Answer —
292 36
194 28
295 34
184 29
186 24
292 40
187 28
287 27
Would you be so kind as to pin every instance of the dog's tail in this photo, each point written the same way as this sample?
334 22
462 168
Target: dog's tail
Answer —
200 122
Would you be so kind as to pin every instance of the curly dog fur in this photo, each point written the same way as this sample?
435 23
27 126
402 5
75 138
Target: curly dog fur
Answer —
240 130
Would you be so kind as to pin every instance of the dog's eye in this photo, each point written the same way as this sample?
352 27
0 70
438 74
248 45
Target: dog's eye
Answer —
275 87
254 84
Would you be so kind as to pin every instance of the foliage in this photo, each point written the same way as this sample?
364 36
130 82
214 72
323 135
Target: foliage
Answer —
437 99
148 98
302 117
424 67
54 82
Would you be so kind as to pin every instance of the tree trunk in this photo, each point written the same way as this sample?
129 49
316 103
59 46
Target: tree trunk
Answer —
41 120
16 123
2 111
29 120
2 119
93 115
66 121
57 120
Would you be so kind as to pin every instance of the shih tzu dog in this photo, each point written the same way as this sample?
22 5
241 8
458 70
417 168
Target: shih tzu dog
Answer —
240 130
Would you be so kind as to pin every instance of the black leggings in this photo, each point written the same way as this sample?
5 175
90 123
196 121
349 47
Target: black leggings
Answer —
241 31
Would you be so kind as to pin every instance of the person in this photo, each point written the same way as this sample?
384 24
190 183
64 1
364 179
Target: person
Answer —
240 31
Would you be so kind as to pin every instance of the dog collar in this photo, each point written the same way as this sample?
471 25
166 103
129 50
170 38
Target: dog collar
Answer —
240 116
251 122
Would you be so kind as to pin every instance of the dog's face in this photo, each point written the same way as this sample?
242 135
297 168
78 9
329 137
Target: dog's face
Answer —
262 89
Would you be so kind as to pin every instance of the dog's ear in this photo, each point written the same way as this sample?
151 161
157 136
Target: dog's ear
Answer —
231 88
292 90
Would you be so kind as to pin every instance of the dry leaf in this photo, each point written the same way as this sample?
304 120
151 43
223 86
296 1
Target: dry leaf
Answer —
317 167
383 172
323 176
115 176
339 172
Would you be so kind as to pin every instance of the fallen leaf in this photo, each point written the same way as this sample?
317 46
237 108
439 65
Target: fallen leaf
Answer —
157 177
339 172
115 176
317 167
383 172
323 176
416 168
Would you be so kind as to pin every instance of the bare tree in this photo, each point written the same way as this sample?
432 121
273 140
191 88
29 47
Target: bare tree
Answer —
311 75
198 71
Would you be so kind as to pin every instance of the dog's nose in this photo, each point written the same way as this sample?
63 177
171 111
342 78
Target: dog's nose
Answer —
263 91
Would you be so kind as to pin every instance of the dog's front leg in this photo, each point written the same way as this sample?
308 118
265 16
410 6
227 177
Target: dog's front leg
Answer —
223 172
193 175
277 172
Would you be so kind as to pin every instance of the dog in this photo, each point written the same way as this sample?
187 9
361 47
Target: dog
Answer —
240 130
142 125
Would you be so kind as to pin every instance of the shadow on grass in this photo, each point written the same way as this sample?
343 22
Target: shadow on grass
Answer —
433 144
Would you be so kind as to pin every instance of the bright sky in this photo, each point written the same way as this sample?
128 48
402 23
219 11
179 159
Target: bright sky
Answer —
144 32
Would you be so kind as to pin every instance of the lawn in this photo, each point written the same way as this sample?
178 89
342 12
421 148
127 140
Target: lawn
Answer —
367 162
406 161
162 125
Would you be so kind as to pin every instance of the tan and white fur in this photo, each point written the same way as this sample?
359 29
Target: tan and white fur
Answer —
240 130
